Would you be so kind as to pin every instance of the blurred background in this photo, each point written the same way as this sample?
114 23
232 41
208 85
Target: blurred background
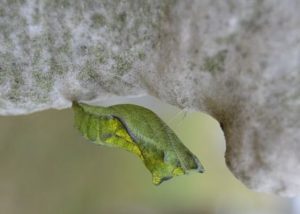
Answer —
48 167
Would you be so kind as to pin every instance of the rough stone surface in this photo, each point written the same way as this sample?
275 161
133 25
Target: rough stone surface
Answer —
239 61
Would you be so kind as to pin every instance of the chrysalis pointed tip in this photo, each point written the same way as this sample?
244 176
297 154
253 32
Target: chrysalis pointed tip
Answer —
200 167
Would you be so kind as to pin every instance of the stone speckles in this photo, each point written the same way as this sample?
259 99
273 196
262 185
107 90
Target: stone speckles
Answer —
237 61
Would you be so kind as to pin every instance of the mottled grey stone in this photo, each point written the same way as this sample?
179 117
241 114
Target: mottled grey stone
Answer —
239 61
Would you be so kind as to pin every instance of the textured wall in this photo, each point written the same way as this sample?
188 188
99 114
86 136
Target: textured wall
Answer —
239 61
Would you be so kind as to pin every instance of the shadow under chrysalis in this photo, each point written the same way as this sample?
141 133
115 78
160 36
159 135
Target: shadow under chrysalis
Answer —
140 131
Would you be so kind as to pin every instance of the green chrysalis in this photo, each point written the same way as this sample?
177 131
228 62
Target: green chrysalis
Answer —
140 131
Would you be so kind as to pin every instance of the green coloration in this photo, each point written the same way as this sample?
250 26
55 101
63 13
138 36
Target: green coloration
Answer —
141 132
46 45
43 80
142 56
98 20
122 64
16 2
2 11
99 54
65 47
119 21
44 84
58 4
215 63
122 17
55 67
88 73
228 39
15 77
2 75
